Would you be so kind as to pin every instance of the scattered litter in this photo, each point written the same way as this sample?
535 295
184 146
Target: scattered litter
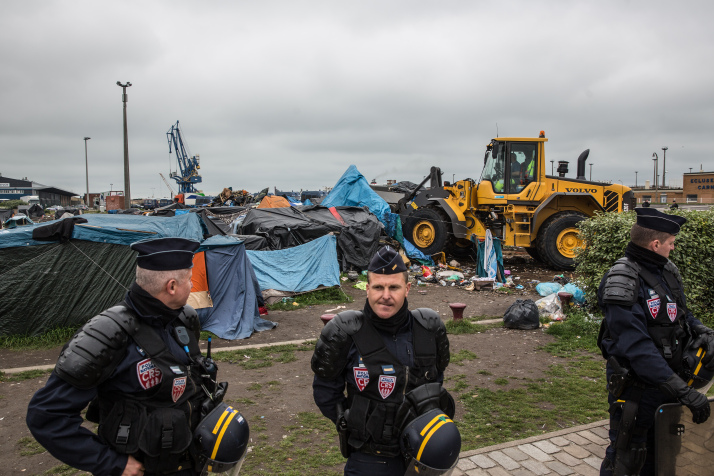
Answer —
336 309
546 289
507 272
442 282
454 263
343 278
353 275
520 286
361 285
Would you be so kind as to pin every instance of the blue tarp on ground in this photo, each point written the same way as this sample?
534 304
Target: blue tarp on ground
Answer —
352 189
298 269
116 229
234 290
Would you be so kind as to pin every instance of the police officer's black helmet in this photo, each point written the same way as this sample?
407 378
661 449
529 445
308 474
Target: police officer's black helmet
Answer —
698 376
223 438
431 444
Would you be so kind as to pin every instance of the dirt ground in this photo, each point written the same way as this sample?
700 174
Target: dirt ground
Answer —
502 352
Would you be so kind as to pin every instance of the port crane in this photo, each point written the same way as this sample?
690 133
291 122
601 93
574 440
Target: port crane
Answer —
187 174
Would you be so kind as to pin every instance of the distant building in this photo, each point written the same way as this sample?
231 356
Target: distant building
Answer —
14 189
698 187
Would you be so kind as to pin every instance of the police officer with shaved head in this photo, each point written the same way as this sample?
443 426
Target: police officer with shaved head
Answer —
645 336
378 369
138 367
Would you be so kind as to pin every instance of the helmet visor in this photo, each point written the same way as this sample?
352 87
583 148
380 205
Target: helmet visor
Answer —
215 468
415 468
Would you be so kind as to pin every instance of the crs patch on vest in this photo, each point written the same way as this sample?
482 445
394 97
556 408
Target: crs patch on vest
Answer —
361 377
178 387
149 375
672 311
386 385
653 306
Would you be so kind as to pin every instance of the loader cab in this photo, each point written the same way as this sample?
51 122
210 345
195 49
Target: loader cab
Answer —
510 167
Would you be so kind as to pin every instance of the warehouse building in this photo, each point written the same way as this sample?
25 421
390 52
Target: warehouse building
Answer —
15 189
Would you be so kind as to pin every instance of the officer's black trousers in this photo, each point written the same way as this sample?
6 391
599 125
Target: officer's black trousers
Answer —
363 464
650 401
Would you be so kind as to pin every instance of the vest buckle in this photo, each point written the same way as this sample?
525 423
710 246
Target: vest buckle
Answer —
123 434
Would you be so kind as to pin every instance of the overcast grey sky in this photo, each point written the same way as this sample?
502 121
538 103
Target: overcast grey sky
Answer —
290 93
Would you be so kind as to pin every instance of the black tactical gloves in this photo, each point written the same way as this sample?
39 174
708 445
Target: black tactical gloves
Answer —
695 401
705 339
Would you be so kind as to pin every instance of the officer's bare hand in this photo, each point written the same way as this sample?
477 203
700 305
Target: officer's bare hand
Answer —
133 468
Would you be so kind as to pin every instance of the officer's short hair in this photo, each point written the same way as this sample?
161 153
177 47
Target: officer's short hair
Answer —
154 281
403 273
642 236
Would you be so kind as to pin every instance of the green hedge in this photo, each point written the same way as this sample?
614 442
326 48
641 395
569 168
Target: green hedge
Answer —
11 203
606 235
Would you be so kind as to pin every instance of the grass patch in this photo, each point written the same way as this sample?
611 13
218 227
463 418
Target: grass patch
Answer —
20 376
334 295
466 326
206 334
576 334
569 395
29 446
501 381
308 446
62 470
52 338
263 357
254 387
484 372
459 357
240 401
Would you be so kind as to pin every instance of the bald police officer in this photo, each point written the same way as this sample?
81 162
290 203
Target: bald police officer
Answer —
139 365
646 330
376 370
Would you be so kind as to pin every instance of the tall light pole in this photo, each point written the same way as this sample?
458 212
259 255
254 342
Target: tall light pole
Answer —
656 172
635 178
127 192
86 166
664 165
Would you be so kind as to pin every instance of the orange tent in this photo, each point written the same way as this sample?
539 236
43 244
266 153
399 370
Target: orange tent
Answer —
272 201
199 297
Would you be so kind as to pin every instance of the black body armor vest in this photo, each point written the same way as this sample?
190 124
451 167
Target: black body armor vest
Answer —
156 426
380 382
666 312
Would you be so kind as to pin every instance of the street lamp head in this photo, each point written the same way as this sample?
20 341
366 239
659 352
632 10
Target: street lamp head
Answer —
118 83
654 154
665 148
87 138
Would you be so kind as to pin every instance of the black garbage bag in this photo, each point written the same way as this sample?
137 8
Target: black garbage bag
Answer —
523 314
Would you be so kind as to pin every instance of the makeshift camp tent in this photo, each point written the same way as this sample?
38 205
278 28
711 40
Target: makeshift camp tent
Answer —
5 213
352 189
273 201
50 284
356 228
302 268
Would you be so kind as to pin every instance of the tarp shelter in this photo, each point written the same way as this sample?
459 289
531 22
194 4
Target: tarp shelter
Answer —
356 228
272 201
352 189
5 213
224 272
302 268
49 284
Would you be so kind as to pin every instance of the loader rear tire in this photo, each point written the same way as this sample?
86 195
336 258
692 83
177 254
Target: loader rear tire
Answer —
558 240
427 229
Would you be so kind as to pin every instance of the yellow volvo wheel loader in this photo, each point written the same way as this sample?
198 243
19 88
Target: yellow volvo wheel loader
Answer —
515 199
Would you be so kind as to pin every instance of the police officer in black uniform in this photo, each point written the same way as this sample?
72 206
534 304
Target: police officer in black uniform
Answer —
139 365
644 335
390 361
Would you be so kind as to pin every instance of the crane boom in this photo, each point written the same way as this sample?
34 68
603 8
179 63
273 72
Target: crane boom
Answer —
171 190
188 166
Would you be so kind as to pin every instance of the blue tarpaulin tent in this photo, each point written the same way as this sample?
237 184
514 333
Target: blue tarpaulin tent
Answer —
234 290
300 268
352 189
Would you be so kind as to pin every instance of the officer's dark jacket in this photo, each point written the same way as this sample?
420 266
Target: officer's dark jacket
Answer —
633 326
54 412
383 381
